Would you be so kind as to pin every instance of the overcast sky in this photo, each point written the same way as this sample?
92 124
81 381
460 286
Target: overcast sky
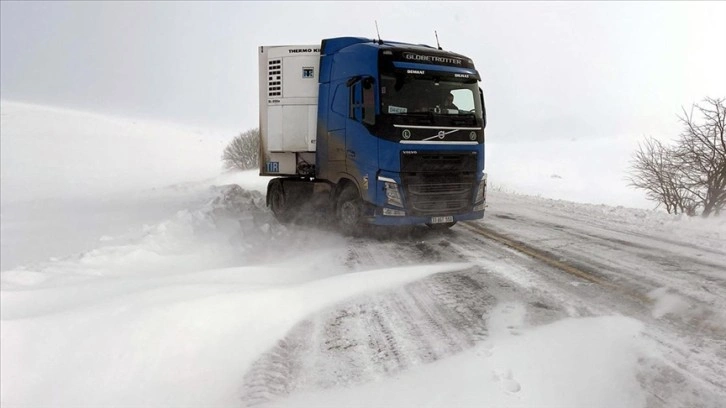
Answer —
565 70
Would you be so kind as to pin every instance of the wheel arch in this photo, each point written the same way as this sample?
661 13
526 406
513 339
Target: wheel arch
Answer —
343 183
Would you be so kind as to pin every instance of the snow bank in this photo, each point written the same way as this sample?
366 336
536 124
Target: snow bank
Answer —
176 315
175 340
221 231
70 177
51 152
707 232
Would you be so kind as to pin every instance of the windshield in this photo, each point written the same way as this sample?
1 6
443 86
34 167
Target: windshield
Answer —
408 94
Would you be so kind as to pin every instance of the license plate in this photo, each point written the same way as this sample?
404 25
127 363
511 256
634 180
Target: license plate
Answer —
440 220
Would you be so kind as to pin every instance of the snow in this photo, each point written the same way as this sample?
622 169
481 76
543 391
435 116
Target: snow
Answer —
177 340
582 170
667 303
589 362
46 154
710 232
136 272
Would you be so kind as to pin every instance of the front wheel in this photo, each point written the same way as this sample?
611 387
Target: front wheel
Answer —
349 210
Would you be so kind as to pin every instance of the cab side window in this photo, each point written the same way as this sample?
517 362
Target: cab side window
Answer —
362 100
369 101
356 101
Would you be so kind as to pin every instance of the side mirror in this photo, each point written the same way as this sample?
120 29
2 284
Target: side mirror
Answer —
483 109
352 80
367 83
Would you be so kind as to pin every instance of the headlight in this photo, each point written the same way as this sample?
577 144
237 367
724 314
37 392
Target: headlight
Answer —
481 192
393 196
391 211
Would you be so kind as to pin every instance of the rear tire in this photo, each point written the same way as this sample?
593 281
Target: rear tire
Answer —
349 210
278 202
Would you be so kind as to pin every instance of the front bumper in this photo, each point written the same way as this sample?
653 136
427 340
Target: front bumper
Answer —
380 219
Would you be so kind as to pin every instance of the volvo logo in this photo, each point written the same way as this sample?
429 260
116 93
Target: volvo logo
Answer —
406 134
472 135
442 134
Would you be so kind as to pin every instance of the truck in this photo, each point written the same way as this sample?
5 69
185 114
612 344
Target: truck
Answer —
375 132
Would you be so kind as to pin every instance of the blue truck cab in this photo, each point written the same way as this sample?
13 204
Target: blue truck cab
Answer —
398 136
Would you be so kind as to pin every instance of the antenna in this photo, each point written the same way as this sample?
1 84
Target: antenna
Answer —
437 39
379 33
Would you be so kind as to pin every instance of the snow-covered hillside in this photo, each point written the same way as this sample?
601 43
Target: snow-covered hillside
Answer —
135 272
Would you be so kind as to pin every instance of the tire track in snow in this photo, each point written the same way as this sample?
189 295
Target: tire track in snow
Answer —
377 336
688 376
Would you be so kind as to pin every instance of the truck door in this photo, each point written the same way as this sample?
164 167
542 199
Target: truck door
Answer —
361 148
336 129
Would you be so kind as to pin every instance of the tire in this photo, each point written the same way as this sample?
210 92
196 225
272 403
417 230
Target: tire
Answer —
442 226
278 202
349 210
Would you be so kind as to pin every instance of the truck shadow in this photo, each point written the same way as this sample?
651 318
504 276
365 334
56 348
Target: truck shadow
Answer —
398 233
325 221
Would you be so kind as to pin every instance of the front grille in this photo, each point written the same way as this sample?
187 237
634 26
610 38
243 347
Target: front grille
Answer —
438 183
438 162
438 207
437 198
453 188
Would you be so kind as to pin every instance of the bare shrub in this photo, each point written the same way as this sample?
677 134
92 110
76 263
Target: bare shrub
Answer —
690 175
242 153
702 152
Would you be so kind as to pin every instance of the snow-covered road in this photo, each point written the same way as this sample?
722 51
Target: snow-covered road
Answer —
614 309
173 285
673 285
